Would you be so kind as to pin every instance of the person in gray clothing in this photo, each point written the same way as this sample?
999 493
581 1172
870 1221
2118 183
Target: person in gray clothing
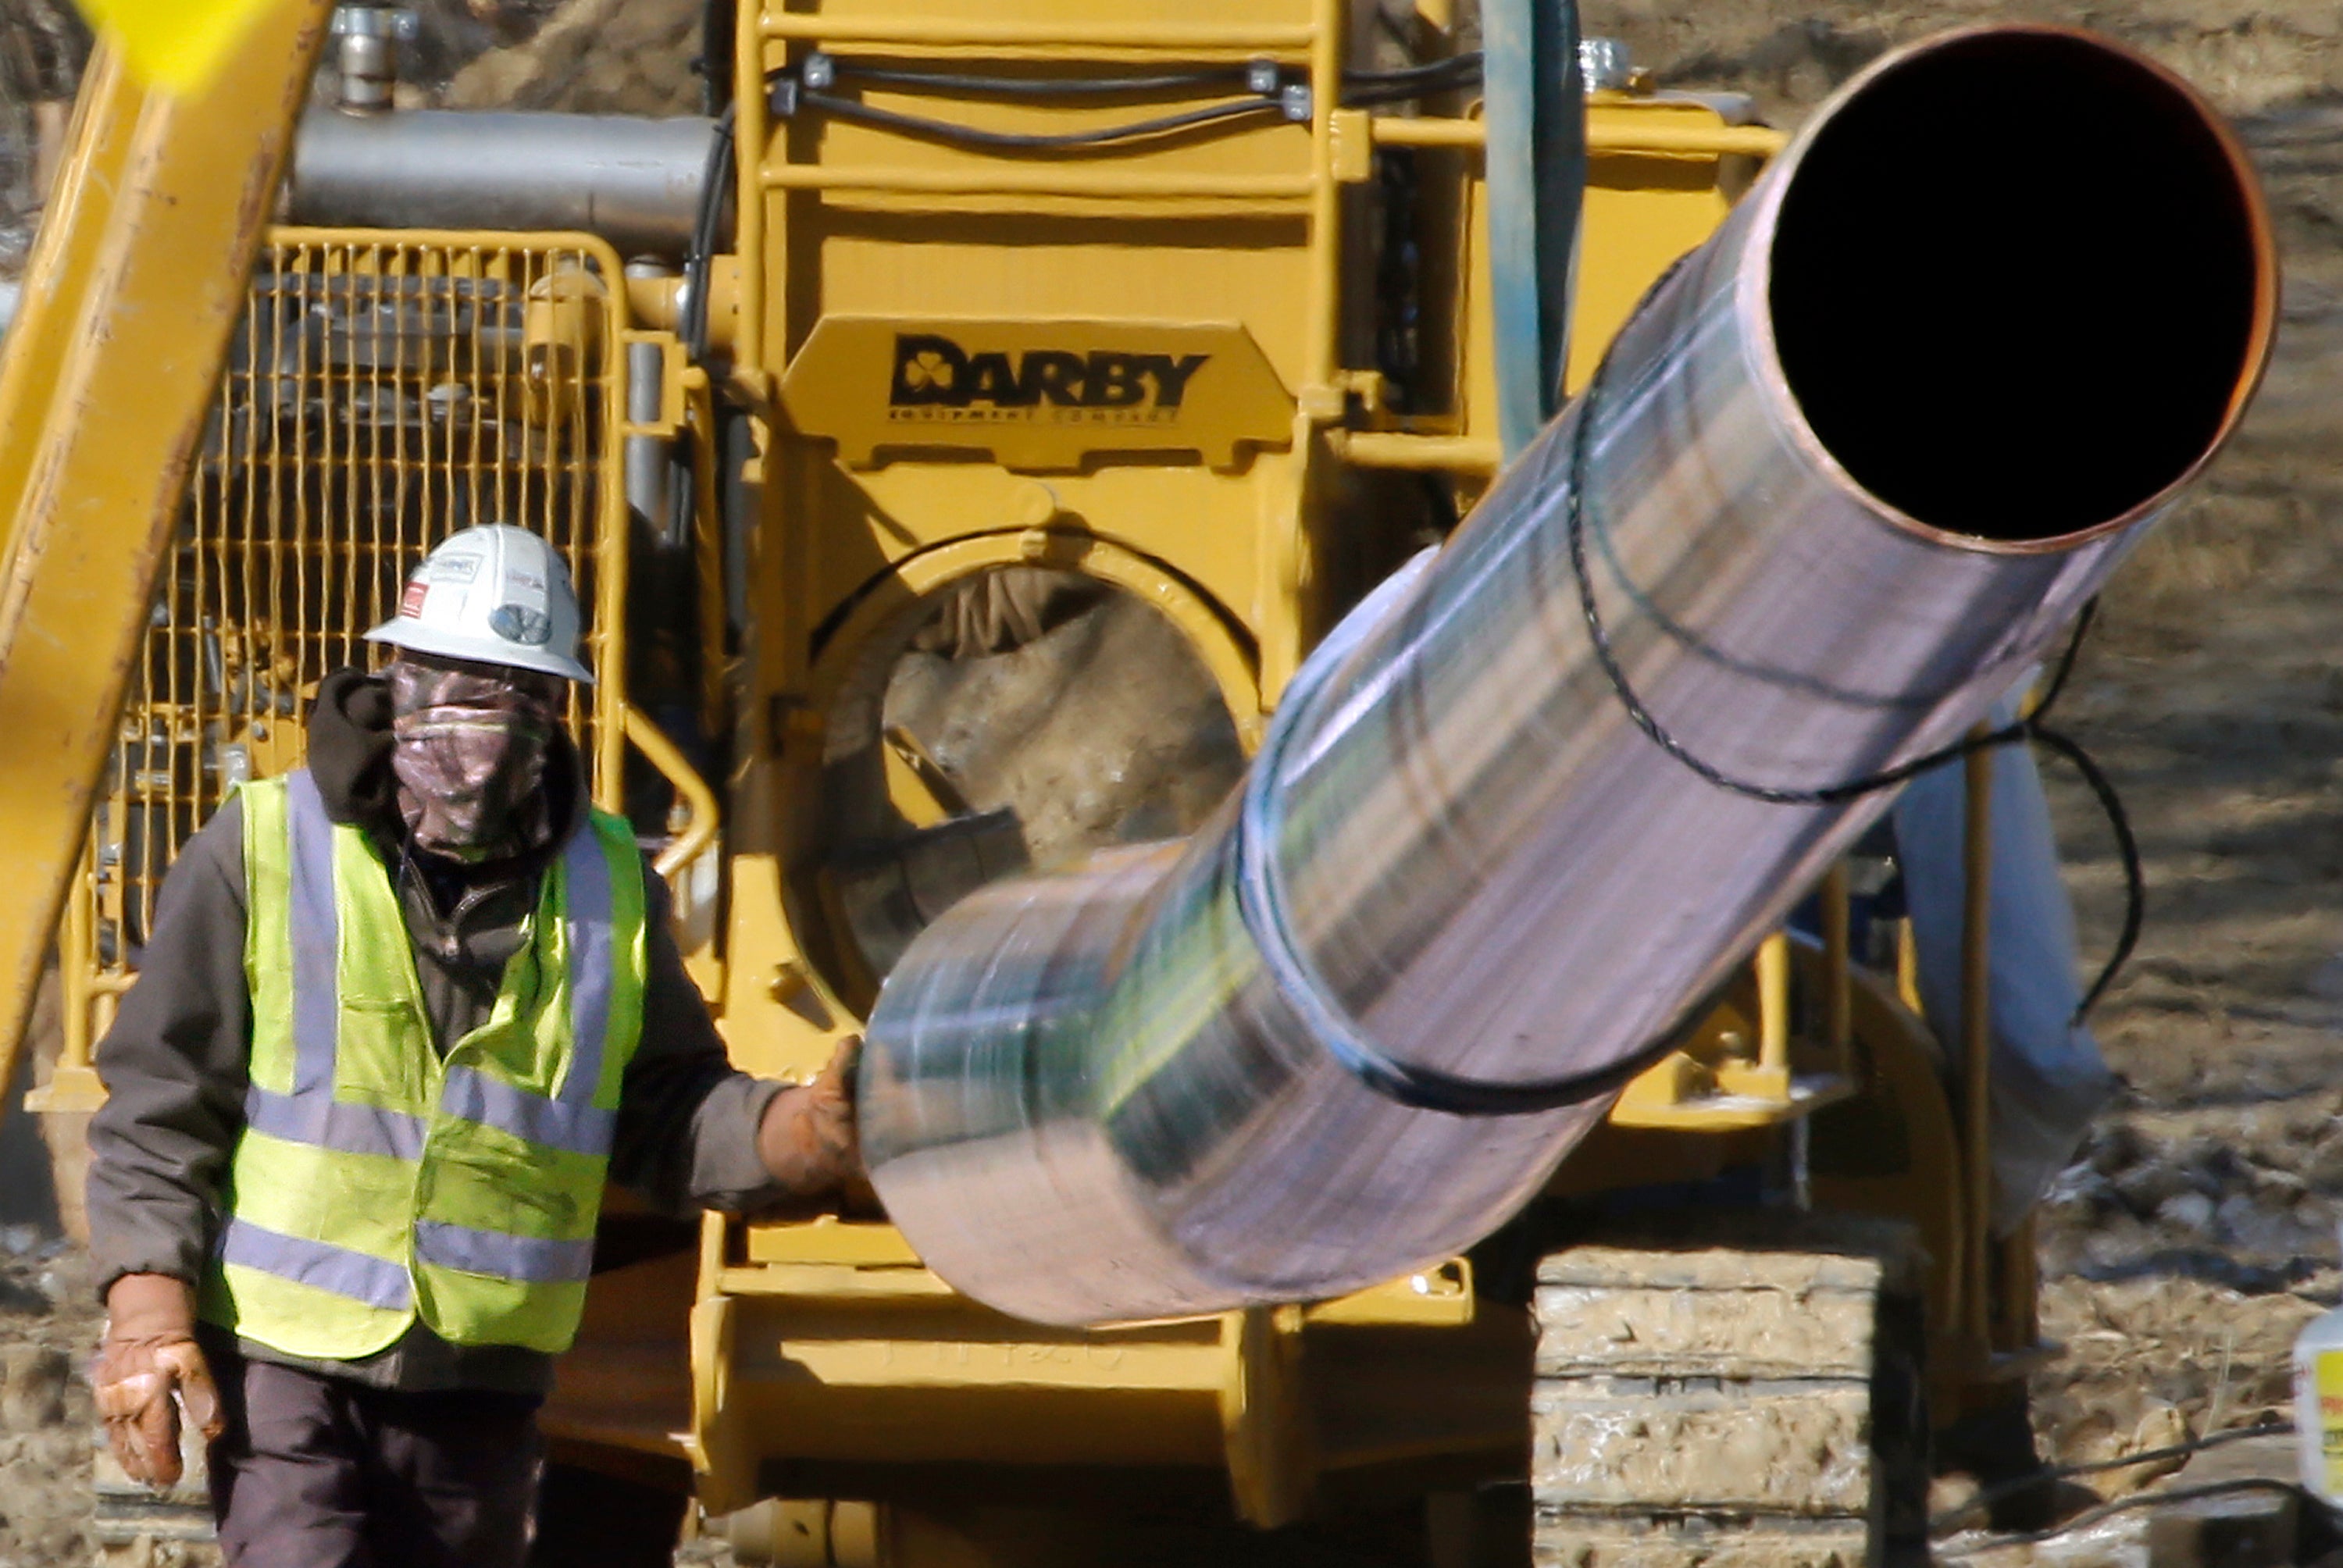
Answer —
467 791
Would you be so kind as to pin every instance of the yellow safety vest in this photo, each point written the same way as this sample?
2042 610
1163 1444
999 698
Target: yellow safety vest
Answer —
376 1182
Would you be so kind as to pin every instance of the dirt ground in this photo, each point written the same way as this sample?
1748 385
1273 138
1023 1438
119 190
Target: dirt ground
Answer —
2199 1230
48 1322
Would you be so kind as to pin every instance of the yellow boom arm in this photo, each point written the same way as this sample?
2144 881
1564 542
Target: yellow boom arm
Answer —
136 281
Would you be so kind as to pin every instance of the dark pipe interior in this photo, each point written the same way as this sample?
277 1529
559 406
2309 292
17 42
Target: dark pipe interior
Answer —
2013 286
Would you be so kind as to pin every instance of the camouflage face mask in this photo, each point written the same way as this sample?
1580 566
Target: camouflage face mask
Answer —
468 747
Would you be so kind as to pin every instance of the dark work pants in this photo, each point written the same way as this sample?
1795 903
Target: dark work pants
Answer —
318 1473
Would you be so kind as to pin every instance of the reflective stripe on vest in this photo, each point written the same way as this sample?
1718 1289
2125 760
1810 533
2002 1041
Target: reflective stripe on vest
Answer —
363 1179
495 1252
376 1281
311 1114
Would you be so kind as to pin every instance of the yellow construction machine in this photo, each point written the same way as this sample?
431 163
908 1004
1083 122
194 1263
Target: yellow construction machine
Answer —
964 436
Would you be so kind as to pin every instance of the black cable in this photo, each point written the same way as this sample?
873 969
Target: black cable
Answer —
1466 66
718 31
1574 520
2056 684
1457 71
2105 1511
1360 89
715 180
1366 89
1038 86
971 135
1376 97
2110 805
1951 1517
2031 727
2126 845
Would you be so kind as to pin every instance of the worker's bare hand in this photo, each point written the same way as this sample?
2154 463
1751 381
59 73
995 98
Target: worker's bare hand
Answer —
149 1369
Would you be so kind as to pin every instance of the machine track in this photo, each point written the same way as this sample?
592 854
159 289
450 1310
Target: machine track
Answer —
1741 1392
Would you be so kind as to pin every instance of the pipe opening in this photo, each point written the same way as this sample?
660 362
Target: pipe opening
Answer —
2015 287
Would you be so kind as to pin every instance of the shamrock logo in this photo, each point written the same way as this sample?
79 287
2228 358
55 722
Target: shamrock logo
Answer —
926 370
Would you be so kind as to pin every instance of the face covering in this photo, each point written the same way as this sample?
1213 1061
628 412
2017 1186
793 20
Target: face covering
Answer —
469 750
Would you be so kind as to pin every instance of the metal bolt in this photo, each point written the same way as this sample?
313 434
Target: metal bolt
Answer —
1295 101
820 72
365 53
1263 76
1604 65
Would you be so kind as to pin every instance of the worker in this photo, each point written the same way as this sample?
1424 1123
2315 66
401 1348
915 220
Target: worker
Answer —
400 1014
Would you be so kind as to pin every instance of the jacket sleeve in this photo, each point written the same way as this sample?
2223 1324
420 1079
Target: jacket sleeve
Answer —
687 1131
176 1064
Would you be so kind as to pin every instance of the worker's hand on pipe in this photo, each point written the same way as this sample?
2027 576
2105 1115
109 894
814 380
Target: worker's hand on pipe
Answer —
148 1371
807 1140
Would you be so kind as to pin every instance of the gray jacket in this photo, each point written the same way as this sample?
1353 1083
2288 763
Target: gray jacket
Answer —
175 1063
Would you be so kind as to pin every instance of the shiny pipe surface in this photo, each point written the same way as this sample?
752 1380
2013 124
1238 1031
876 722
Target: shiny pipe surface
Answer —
1853 466
635 182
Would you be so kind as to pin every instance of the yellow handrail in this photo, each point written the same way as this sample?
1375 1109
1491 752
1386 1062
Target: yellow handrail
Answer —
704 817
969 32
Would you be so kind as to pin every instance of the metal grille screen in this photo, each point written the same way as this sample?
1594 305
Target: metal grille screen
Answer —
379 394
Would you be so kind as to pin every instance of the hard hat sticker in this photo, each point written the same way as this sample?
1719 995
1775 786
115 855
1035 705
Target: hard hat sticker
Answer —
410 603
452 568
519 623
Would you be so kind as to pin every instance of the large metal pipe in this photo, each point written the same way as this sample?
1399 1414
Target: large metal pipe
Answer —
1850 470
636 181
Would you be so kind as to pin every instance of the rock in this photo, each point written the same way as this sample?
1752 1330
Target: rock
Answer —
1953 1500
2160 1426
2241 1220
2214 1166
2276 1186
2145 1188
32 1380
2080 1188
2191 1212
2116 1149
2325 981
2324 1167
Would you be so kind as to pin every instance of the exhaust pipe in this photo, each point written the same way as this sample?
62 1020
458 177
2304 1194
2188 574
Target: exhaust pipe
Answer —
635 182
1850 470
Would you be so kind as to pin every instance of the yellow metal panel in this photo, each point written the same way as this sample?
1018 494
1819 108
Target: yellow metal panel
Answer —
1437 1298
828 1239
103 439
1200 270
1644 209
1040 394
891 1365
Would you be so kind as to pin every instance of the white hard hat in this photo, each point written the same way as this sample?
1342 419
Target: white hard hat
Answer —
495 595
